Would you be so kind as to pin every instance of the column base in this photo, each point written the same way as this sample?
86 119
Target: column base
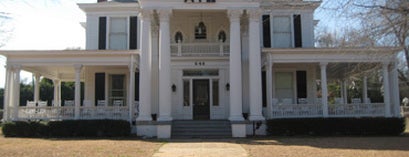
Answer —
238 130
256 118
165 118
164 131
236 118
144 118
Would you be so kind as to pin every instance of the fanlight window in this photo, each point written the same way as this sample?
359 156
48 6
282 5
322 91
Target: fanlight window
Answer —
179 37
200 31
222 36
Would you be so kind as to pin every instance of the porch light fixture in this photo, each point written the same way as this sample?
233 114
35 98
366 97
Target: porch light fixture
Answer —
227 86
173 87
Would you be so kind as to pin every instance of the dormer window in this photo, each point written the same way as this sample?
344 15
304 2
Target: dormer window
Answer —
178 37
200 31
222 36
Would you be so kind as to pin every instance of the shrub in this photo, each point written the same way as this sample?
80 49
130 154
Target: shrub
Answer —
69 128
336 126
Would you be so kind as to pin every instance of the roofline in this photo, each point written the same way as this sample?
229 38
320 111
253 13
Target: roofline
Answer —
349 49
8 53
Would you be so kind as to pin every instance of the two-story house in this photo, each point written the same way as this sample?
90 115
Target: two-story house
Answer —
165 64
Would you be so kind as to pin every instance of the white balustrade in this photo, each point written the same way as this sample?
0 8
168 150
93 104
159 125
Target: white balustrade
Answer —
67 112
296 110
200 49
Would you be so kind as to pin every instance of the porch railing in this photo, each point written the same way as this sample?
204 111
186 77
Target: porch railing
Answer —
334 110
200 49
68 112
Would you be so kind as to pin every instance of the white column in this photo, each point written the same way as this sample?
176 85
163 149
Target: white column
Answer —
365 90
235 66
16 91
324 88
56 92
255 66
77 98
131 96
386 92
165 100
345 84
269 82
395 89
145 67
7 90
36 87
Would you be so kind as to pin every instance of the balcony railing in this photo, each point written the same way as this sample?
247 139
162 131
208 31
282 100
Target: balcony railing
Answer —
200 49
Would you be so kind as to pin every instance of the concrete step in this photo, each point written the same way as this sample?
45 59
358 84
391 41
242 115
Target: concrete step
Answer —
201 129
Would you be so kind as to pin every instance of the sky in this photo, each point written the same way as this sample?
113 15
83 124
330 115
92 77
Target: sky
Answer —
55 25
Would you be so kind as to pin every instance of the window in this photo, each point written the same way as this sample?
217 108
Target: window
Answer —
215 90
282 32
118 33
117 91
200 31
284 85
178 37
222 36
186 93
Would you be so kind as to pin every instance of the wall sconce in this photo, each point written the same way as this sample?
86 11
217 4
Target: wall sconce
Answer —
227 86
174 88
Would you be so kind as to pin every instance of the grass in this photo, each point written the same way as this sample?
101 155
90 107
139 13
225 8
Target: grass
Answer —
257 147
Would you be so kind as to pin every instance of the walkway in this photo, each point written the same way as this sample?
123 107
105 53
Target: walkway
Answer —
201 149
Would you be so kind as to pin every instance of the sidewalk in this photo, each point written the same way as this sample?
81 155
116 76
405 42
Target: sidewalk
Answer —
201 149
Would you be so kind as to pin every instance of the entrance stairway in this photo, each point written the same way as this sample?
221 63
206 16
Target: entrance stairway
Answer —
201 129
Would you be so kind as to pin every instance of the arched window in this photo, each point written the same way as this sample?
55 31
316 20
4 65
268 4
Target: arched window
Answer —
200 31
222 36
179 37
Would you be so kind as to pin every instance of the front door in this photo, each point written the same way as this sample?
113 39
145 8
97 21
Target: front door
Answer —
201 99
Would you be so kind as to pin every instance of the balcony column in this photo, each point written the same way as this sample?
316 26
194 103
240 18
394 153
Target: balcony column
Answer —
7 94
269 81
16 91
235 66
165 100
145 67
386 91
255 66
57 84
365 90
37 87
77 94
131 93
324 88
345 89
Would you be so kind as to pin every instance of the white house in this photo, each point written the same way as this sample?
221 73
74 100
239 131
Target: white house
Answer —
235 61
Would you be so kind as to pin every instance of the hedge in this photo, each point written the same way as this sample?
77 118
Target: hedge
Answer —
336 126
68 128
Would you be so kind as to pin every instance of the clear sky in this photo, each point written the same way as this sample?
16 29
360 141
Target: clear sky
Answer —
55 25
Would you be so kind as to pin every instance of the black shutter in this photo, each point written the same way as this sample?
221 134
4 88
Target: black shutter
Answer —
301 84
136 86
99 87
133 33
297 31
266 31
102 33
264 87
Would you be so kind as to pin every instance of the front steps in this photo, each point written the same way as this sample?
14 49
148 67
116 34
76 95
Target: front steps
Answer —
201 129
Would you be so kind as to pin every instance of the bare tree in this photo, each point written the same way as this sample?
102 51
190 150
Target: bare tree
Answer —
386 21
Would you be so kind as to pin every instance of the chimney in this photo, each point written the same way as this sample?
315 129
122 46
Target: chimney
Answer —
99 1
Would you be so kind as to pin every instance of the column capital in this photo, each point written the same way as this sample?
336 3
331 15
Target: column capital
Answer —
323 64
164 14
37 75
78 67
234 14
254 14
385 64
145 14
16 67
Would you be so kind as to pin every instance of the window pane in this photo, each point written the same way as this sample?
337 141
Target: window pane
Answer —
284 85
186 93
282 24
282 40
118 41
215 92
118 25
282 32
118 38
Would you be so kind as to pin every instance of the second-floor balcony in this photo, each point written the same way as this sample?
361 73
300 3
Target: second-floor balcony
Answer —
200 49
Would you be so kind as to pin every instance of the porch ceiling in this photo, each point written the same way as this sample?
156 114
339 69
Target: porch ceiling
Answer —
60 64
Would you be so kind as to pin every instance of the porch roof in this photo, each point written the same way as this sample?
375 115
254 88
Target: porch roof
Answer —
331 55
59 64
